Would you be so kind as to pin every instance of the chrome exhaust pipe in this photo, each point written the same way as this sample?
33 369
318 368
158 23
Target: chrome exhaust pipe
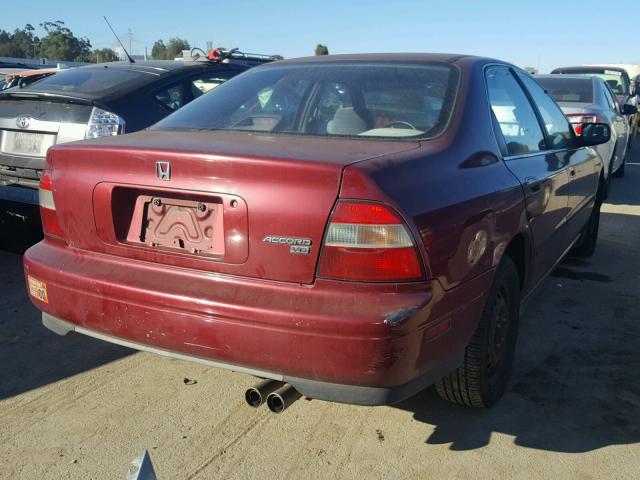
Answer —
256 395
282 398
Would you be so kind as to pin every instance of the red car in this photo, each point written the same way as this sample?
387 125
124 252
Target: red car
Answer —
349 228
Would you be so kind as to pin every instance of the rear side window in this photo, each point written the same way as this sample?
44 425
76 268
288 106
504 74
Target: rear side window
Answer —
171 97
360 99
94 81
558 129
563 89
205 83
513 113
613 104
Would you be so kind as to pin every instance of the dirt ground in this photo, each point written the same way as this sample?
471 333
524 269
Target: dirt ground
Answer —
73 407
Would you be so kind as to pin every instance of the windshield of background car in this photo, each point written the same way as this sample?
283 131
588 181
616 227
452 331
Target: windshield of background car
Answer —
92 81
328 99
564 89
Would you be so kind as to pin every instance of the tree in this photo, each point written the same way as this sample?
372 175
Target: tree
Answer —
61 44
21 43
159 50
101 55
171 50
175 47
322 49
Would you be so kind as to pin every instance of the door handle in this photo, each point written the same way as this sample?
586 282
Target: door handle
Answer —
572 172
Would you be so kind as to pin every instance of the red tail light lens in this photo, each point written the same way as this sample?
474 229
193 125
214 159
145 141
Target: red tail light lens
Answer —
368 242
48 215
577 120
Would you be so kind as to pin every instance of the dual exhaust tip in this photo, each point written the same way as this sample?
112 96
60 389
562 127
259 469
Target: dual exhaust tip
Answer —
277 395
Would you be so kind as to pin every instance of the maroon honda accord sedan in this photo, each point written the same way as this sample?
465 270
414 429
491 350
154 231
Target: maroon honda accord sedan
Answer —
348 228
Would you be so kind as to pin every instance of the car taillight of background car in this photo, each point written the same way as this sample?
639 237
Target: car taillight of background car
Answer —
104 124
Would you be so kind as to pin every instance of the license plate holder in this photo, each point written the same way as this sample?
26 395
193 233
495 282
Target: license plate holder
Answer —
187 226
27 143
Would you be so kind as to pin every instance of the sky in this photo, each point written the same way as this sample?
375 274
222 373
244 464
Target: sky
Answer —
538 33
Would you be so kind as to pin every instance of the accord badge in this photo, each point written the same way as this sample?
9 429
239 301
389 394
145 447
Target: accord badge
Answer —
296 245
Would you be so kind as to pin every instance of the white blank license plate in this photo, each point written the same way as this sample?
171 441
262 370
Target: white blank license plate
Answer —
29 143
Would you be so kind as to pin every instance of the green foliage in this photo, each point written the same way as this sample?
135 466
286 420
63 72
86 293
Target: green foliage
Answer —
61 44
58 43
171 50
101 55
20 43
322 49
159 50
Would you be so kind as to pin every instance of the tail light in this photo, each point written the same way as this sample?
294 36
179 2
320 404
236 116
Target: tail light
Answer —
368 242
48 215
577 120
104 124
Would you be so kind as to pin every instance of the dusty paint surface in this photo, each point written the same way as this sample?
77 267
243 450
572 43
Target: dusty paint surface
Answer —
74 407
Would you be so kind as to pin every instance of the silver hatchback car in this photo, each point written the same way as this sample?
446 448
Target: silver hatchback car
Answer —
588 99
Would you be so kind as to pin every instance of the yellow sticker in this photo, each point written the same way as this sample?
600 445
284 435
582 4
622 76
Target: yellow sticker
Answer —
38 289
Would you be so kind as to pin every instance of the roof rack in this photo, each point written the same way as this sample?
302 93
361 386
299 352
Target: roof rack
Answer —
224 54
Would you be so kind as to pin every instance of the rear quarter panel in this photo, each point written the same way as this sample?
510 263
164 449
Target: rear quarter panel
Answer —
461 201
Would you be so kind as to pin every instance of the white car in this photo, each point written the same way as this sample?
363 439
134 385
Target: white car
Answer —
588 99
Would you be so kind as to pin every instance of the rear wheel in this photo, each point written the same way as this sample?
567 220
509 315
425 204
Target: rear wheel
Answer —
586 245
483 377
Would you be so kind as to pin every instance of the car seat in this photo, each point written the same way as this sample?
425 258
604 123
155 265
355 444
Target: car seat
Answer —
346 122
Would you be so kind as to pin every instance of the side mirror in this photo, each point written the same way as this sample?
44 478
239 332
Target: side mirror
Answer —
629 109
594 134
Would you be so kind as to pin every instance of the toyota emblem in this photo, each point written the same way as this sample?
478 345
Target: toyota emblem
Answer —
23 121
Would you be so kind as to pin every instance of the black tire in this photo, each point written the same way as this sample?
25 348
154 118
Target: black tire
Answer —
586 245
483 377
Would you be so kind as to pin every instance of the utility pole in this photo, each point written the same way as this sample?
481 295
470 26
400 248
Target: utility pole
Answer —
145 53
130 34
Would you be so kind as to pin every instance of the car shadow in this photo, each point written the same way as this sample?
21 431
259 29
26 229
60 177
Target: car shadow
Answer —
30 355
576 380
622 190
20 226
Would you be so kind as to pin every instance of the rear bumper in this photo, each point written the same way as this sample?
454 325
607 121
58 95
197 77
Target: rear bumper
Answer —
348 342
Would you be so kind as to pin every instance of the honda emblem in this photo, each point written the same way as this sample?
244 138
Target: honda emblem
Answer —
163 170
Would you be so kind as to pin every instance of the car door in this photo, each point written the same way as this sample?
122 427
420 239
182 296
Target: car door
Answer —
542 173
619 126
584 164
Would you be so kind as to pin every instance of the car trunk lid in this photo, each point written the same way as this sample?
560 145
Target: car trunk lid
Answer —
29 125
230 203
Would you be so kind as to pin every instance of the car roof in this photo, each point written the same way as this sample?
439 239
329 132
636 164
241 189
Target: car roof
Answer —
593 68
155 70
585 78
158 66
384 57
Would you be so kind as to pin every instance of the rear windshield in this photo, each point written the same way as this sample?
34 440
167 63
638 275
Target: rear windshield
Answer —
93 81
568 89
614 79
328 99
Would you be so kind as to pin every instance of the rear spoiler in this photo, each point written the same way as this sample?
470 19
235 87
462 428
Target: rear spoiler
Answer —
54 97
